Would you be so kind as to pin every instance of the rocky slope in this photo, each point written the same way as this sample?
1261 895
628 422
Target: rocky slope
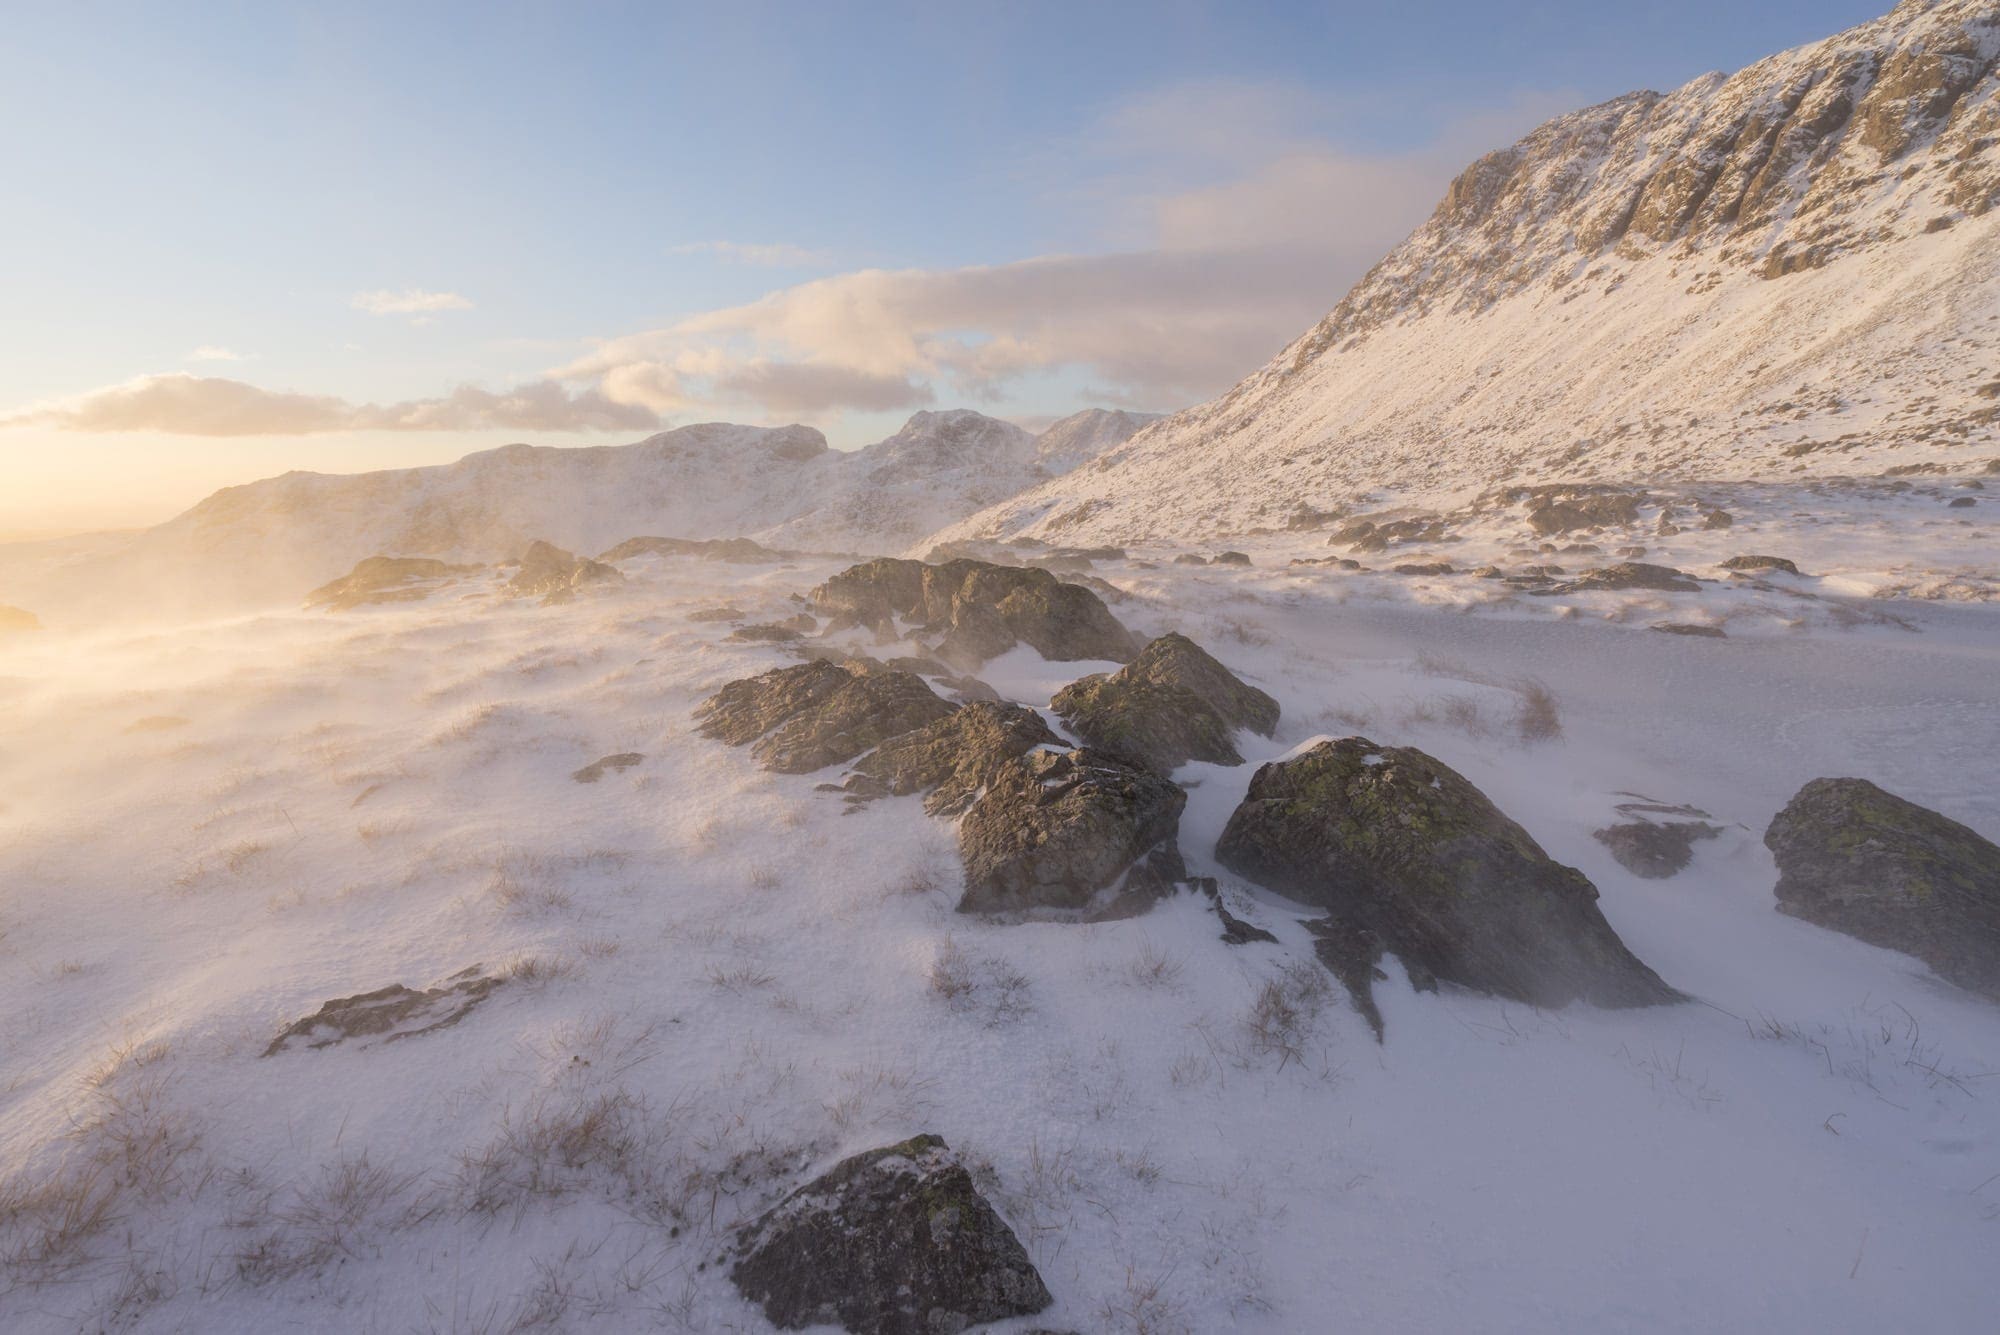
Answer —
272 540
1794 270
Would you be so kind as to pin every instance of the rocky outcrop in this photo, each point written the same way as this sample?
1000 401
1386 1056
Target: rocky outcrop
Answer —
617 764
1628 575
736 550
896 1241
1859 860
975 610
1172 704
388 1014
1749 564
1408 856
815 714
954 759
1064 829
386 579
554 575
1655 851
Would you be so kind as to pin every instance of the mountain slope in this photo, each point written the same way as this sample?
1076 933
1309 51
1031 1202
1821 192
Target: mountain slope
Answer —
1794 270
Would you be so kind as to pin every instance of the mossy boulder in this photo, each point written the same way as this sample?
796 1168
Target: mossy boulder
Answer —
1406 855
896 1241
1172 704
1859 860
814 714
955 758
1064 830
974 610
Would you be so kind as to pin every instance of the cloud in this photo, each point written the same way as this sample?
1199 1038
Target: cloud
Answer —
413 301
776 255
209 352
187 405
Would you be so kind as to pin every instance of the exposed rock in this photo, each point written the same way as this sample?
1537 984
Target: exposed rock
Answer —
896 1241
766 633
1172 704
739 550
1691 628
1423 568
390 1013
977 610
1748 563
717 614
1235 931
1962 503
554 575
1059 829
1190 559
382 579
1655 851
1629 575
1549 517
956 757
597 769
1231 559
1865 862
1404 851
1714 519
806 717
13 619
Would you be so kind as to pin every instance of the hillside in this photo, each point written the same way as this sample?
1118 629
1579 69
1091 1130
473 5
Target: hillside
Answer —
1791 272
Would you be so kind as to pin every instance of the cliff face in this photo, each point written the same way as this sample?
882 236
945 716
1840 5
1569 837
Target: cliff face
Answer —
1795 262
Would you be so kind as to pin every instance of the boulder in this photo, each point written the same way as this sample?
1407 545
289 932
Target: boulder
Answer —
1062 829
717 614
740 550
975 610
1407 856
1691 628
816 714
1714 519
1423 568
390 1013
1550 514
13 619
1172 704
1652 851
1962 503
1232 558
386 579
617 764
954 759
1859 860
1628 575
554 575
1190 559
766 633
1749 563
896 1241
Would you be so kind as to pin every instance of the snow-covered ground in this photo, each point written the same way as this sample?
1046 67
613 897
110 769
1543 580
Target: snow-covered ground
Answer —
721 979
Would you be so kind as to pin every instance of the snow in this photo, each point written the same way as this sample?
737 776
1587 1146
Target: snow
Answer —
741 971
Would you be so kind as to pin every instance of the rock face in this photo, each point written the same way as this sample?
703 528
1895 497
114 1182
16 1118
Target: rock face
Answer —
977 610
1059 829
815 714
955 758
554 575
1172 704
896 1241
389 1013
386 579
1655 852
1408 856
1865 862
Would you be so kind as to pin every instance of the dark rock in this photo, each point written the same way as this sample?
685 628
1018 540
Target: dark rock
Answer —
955 758
1865 862
1172 704
1691 628
1423 568
1760 563
766 633
1552 517
896 1241
745 710
1962 503
1190 559
1235 931
1655 851
554 575
969 690
1403 849
1059 829
1629 575
716 614
378 579
391 1013
1231 559
864 712
1714 519
978 610
617 764
736 550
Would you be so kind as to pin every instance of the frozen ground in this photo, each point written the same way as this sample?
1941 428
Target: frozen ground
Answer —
719 981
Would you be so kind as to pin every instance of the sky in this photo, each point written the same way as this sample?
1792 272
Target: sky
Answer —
244 238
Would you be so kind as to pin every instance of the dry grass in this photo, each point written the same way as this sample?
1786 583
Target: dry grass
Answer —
611 1143
970 984
1285 1013
1154 967
344 1212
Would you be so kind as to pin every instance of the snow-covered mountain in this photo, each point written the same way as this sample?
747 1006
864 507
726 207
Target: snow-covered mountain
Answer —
1792 271
269 541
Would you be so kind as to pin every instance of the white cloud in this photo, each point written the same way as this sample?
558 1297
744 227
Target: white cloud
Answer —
187 405
775 255
209 352
412 301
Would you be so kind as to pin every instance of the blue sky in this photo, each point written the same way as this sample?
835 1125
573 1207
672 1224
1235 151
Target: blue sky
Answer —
241 238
